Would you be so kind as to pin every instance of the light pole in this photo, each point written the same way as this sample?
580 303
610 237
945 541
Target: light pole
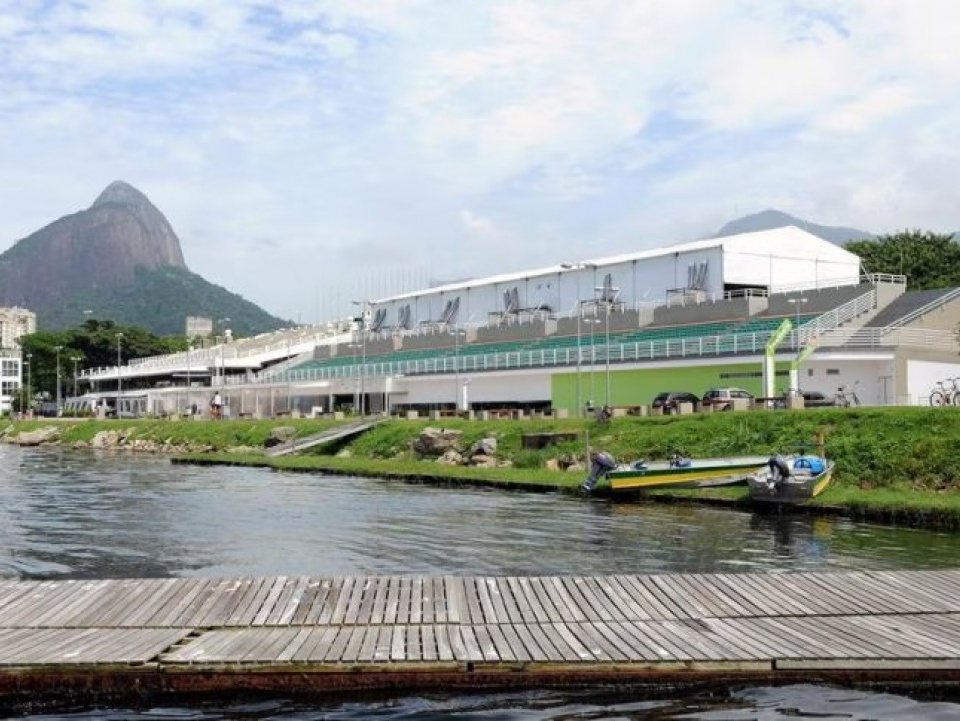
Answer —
607 302
58 349
119 376
364 307
223 361
593 359
457 332
189 353
29 382
797 304
75 359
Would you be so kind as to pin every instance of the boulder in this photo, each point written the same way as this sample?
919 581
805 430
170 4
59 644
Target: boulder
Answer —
344 453
552 464
105 439
576 468
450 457
39 436
485 447
437 441
481 460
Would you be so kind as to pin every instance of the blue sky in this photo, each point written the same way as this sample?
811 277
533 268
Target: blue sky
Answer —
312 152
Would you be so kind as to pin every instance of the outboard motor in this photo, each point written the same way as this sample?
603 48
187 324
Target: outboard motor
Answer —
600 466
779 470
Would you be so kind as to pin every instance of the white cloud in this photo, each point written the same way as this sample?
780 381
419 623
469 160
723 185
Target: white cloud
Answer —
358 139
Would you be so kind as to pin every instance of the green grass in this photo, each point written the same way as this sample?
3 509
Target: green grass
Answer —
893 464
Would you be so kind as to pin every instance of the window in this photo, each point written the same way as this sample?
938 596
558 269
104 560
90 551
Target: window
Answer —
9 368
8 388
833 371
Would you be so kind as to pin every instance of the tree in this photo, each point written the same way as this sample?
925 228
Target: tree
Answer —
95 344
929 260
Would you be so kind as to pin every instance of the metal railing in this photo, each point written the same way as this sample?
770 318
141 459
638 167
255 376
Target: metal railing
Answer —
621 352
839 315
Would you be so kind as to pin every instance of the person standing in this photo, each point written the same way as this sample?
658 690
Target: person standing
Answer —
216 405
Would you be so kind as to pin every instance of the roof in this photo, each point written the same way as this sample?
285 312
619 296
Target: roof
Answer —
787 242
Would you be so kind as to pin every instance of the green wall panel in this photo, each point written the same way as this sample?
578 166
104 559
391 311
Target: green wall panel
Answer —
639 386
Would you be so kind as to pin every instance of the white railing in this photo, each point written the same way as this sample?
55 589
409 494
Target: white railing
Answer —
889 338
839 315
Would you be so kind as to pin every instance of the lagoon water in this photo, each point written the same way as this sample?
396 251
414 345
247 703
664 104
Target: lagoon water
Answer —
66 514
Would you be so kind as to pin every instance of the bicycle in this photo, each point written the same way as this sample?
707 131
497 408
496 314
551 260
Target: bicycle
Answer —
846 398
604 414
942 396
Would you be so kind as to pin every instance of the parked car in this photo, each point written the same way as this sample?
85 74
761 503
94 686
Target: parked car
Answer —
816 399
670 401
721 399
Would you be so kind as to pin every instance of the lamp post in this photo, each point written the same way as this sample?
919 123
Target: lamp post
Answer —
75 359
607 301
29 382
189 354
797 304
58 349
119 376
364 309
592 322
457 332
223 361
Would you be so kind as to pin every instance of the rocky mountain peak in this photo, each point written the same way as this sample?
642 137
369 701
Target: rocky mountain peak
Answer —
122 193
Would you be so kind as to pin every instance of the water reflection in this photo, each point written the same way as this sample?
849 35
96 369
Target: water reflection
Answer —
764 704
79 515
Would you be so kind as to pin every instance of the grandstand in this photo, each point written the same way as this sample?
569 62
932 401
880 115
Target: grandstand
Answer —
605 348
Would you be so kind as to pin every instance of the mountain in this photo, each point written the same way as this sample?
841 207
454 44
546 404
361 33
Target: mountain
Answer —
121 260
770 219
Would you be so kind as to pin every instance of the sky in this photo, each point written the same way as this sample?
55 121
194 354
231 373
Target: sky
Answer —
313 152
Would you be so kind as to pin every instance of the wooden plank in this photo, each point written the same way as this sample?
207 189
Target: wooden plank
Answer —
441 605
328 611
539 597
392 601
374 587
276 590
343 599
456 601
648 598
558 593
487 607
422 600
403 602
604 608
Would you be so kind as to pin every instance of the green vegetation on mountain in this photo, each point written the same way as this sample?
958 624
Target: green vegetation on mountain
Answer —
160 299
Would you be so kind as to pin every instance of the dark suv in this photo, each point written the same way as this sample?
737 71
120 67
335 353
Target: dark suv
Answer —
669 402
721 399
816 399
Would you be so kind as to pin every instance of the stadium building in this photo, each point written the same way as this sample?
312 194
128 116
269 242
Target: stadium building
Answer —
607 331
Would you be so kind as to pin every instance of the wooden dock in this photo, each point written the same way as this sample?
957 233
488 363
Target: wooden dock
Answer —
120 638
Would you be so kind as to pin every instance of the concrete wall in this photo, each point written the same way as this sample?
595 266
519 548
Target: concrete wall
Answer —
721 310
519 331
946 317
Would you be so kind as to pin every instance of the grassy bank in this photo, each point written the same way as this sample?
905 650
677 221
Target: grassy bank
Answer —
894 464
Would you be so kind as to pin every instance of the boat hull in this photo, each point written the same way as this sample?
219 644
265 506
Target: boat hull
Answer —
703 473
790 491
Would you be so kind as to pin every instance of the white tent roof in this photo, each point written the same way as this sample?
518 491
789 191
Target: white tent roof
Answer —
789 242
